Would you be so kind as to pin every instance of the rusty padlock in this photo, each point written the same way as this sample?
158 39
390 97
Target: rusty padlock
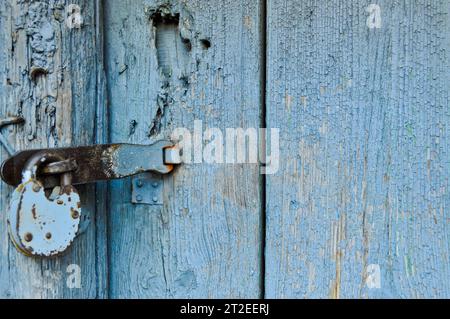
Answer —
38 225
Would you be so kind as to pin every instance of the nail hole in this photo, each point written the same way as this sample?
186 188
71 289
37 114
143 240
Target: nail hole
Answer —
75 214
206 44
187 43
28 237
37 72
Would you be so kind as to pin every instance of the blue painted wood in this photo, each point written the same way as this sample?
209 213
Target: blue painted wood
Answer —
363 110
48 75
364 119
206 240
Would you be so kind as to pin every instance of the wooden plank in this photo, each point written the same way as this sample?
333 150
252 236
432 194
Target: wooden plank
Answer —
48 74
364 121
206 239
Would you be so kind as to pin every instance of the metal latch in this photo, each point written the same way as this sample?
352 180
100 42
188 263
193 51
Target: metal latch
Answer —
45 211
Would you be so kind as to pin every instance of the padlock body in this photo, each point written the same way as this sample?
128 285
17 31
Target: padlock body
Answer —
40 226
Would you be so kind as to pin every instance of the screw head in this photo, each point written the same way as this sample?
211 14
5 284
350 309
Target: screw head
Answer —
139 183
139 198
36 188
155 199
48 235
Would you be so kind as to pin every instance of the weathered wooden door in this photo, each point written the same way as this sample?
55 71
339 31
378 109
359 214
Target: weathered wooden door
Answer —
360 207
358 90
132 71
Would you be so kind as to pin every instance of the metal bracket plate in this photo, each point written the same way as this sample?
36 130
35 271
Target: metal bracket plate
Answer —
147 188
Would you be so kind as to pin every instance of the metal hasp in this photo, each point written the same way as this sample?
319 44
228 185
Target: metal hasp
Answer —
44 224
89 164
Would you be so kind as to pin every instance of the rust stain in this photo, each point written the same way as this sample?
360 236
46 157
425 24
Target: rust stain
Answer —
33 211
248 22
338 236
304 100
288 102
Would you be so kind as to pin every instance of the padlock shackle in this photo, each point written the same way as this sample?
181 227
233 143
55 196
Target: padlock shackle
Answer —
37 160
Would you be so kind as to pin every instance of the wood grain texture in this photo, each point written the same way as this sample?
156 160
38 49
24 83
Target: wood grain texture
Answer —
48 75
206 240
365 120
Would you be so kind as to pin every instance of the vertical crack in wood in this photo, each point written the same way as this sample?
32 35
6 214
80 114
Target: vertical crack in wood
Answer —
102 193
263 124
